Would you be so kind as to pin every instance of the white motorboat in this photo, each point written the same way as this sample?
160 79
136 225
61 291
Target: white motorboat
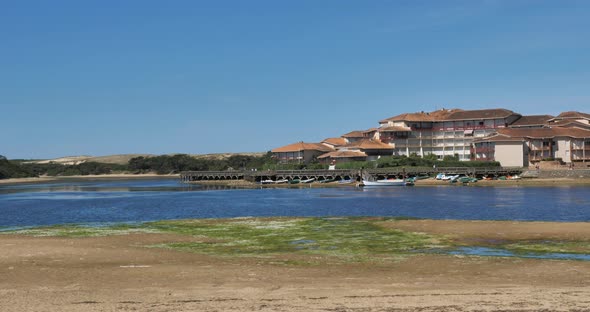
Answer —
389 182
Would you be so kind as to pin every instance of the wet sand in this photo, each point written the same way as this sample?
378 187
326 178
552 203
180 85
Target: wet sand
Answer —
117 273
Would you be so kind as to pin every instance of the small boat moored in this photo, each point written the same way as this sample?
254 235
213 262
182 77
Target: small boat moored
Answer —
389 182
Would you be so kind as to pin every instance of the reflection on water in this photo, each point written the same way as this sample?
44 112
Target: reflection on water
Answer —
112 186
159 199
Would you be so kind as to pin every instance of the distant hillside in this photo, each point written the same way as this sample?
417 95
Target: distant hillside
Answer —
222 156
123 159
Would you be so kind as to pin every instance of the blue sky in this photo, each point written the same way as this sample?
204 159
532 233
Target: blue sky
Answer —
111 77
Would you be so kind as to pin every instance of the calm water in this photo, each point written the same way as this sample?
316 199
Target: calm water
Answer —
146 200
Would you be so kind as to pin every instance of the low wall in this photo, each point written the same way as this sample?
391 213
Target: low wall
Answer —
572 174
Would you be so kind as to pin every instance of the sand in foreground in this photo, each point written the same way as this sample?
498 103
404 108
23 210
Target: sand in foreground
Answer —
116 273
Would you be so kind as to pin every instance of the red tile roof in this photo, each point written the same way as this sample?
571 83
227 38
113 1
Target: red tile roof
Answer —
394 129
499 138
354 134
343 154
452 115
368 144
302 146
480 114
531 120
516 134
572 114
335 141
569 123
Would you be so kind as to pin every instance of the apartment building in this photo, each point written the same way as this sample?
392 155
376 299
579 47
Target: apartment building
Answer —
488 134
531 139
524 147
445 132
300 152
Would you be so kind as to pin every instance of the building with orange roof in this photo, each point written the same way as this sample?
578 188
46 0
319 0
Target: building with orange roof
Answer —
445 132
334 142
523 147
300 152
485 134
364 149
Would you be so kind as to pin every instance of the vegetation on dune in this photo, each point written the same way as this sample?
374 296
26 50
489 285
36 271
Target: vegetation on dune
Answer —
11 169
181 162
86 168
170 164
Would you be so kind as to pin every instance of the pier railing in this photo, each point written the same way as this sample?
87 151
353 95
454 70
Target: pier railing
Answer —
342 174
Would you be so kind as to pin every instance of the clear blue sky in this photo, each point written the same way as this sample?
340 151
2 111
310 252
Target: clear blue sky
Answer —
110 76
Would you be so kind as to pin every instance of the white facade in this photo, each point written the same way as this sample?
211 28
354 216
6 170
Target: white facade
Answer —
511 154
441 138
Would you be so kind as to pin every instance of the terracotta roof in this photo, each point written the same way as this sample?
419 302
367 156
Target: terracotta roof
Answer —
370 130
354 134
335 141
368 144
573 114
538 133
343 154
499 138
394 129
568 123
421 116
480 114
302 146
452 114
531 120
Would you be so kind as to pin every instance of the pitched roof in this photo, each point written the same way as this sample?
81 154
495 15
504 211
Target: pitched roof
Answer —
394 129
480 114
302 146
531 120
544 133
368 144
452 114
499 138
335 141
343 154
416 117
569 123
573 114
354 134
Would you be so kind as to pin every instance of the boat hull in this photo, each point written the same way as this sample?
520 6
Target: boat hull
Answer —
396 182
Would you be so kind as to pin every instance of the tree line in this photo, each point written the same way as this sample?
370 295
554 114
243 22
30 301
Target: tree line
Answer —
171 164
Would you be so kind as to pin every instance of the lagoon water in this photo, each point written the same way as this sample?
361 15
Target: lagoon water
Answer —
105 201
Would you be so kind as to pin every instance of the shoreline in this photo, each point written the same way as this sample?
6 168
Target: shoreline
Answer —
116 176
129 272
247 184
418 183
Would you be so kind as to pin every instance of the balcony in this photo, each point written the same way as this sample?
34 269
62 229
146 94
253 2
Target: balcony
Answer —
485 150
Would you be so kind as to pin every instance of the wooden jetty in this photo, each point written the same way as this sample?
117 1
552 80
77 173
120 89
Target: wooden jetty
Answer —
343 174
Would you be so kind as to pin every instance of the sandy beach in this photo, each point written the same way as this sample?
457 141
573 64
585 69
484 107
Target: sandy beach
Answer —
122 176
118 273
